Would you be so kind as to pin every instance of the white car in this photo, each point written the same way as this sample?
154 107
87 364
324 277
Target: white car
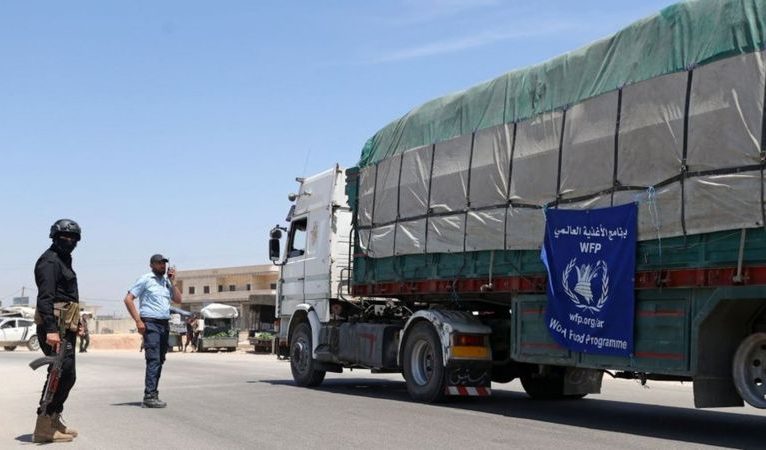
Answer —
15 331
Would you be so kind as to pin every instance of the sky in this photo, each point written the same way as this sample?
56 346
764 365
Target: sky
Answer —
178 127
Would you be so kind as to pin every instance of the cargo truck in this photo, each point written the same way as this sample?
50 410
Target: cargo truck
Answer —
425 258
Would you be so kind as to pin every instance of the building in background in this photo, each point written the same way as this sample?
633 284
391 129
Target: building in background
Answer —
251 289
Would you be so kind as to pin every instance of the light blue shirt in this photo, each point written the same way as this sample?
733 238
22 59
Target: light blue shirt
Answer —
154 295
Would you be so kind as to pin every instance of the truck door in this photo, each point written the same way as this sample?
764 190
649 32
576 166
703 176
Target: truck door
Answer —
294 270
317 262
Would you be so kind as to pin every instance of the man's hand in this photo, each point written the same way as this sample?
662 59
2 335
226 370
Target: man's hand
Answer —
53 339
140 326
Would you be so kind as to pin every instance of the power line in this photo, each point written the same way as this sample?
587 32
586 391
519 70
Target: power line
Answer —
10 295
23 288
100 300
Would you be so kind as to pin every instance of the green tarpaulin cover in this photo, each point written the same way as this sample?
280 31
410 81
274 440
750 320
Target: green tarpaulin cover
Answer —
678 38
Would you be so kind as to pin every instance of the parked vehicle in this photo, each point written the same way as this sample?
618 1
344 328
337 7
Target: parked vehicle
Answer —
262 341
219 332
15 332
425 258
176 333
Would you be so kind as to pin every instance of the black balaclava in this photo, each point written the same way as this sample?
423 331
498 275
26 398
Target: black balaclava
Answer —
63 245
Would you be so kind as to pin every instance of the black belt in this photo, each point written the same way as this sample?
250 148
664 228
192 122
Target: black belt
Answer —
152 320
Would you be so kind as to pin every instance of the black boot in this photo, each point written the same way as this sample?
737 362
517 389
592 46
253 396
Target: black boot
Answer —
153 401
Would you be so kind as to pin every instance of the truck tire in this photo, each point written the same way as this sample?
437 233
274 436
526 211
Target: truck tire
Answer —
749 370
301 360
33 344
10 348
547 387
424 364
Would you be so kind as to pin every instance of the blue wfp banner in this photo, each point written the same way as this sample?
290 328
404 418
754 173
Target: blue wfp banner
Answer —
590 256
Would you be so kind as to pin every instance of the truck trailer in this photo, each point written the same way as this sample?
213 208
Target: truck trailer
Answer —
425 258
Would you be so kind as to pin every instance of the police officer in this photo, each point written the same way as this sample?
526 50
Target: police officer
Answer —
57 292
154 292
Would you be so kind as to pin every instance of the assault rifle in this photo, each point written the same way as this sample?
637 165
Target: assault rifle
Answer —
54 374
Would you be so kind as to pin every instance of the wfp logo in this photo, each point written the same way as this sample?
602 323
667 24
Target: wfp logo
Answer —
582 296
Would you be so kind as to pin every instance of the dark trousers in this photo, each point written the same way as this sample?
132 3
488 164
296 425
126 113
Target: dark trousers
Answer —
68 374
155 348
84 342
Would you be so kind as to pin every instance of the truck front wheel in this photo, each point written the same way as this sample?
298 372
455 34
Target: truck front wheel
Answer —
302 362
749 370
424 364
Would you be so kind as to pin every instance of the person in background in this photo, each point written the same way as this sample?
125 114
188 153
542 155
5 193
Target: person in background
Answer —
154 292
198 332
84 333
181 339
189 333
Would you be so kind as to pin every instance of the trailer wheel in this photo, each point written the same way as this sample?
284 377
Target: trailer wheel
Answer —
10 348
547 387
749 370
301 360
424 364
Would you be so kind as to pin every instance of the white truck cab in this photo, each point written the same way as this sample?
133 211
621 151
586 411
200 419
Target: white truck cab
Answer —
316 259
323 328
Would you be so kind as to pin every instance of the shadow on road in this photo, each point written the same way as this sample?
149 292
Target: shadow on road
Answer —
24 438
138 404
664 422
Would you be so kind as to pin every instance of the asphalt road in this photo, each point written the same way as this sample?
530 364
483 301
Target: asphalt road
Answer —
242 400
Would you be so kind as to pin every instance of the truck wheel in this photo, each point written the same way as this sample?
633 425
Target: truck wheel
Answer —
10 348
749 370
301 361
424 364
33 344
547 387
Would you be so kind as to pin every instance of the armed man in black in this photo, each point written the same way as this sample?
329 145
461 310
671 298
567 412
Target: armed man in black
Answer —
57 319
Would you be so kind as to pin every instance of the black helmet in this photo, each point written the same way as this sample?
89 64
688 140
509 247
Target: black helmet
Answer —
65 226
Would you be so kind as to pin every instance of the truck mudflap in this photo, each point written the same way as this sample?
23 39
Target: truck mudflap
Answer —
463 391
468 380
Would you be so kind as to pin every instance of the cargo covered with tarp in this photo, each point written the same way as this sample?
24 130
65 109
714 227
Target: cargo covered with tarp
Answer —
668 112
219 311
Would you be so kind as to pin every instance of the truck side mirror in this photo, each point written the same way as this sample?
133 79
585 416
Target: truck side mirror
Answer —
274 250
